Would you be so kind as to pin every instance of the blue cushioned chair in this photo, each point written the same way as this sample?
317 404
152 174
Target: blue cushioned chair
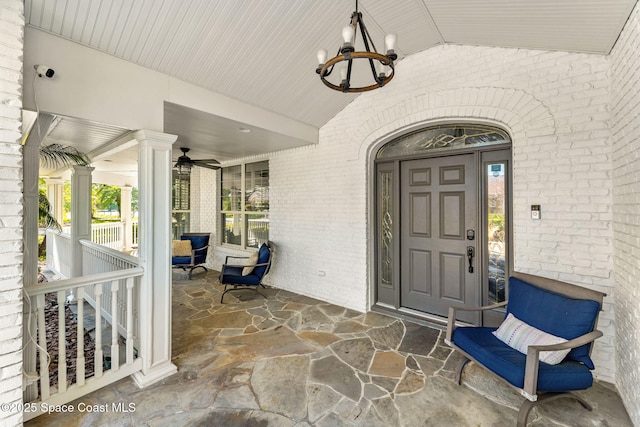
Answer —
558 308
231 275
199 248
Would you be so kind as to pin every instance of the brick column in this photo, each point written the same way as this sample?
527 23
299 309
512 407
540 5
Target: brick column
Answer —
11 210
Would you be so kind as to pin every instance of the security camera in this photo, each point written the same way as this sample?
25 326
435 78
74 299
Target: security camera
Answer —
43 70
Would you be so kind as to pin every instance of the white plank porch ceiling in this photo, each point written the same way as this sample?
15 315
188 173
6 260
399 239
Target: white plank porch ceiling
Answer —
263 52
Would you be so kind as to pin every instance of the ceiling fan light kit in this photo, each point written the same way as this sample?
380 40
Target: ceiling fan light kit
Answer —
382 66
185 163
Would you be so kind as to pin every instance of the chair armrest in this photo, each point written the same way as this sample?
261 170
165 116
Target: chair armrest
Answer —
533 360
228 257
451 321
200 249
233 265
244 265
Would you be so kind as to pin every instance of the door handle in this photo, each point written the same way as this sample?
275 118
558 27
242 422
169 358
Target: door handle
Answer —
470 254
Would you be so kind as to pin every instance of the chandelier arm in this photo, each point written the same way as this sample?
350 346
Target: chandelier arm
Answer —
327 71
366 37
348 81
374 73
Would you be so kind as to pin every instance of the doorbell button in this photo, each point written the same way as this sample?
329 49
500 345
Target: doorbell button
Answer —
535 212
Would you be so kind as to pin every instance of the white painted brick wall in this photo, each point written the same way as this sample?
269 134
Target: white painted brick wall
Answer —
11 42
555 105
625 92
203 205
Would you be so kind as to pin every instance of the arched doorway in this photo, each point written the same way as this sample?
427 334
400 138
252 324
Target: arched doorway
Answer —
442 221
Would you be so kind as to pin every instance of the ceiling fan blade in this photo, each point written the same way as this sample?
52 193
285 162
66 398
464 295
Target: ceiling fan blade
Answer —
214 161
205 165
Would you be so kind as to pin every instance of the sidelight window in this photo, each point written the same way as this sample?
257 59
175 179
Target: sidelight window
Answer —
496 202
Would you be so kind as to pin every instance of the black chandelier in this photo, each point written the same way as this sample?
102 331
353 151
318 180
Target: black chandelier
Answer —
347 53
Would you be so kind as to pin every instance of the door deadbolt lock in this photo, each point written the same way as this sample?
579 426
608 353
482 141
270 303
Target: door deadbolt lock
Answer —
471 234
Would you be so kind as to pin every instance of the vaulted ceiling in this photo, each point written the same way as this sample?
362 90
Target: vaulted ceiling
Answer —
263 52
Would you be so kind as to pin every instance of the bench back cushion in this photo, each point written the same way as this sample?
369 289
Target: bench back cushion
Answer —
555 314
263 258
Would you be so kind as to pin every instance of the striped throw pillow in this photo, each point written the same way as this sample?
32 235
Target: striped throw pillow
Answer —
519 336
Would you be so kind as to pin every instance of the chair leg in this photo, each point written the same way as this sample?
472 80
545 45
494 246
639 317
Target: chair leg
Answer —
528 405
193 268
223 293
460 368
236 288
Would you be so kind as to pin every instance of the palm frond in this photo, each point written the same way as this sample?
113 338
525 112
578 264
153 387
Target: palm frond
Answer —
44 214
59 155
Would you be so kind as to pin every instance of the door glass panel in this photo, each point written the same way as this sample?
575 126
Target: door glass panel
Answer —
496 231
386 227
445 137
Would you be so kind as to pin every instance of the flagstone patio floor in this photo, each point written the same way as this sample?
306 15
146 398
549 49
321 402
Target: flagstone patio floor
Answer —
289 360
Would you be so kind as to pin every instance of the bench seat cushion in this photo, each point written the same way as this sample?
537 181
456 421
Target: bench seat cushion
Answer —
233 275
181 260
504 361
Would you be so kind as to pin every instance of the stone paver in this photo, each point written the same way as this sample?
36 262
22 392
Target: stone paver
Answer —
290 360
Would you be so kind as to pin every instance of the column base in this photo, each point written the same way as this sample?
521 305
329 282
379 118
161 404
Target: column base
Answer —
154 375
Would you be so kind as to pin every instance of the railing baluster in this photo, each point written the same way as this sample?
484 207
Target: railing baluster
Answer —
97 291
62 343
115 348
42 349
129 305
80 372
114 293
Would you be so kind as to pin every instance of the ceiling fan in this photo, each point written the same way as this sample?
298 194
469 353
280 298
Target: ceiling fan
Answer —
185 163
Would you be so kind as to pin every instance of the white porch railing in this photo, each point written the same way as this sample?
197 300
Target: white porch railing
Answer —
118 285
134 233
57 245
99 259
109 234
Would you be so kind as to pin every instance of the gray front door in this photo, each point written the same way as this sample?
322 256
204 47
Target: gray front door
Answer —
439 211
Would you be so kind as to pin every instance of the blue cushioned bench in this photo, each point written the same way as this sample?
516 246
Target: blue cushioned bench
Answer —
557 308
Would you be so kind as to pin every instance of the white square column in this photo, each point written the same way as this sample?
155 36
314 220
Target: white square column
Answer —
81 182
154 254
125 217
55 194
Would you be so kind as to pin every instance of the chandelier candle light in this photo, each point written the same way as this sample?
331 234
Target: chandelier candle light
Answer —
347 53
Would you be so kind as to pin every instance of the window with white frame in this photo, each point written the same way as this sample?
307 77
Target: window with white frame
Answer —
180 204
244 204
